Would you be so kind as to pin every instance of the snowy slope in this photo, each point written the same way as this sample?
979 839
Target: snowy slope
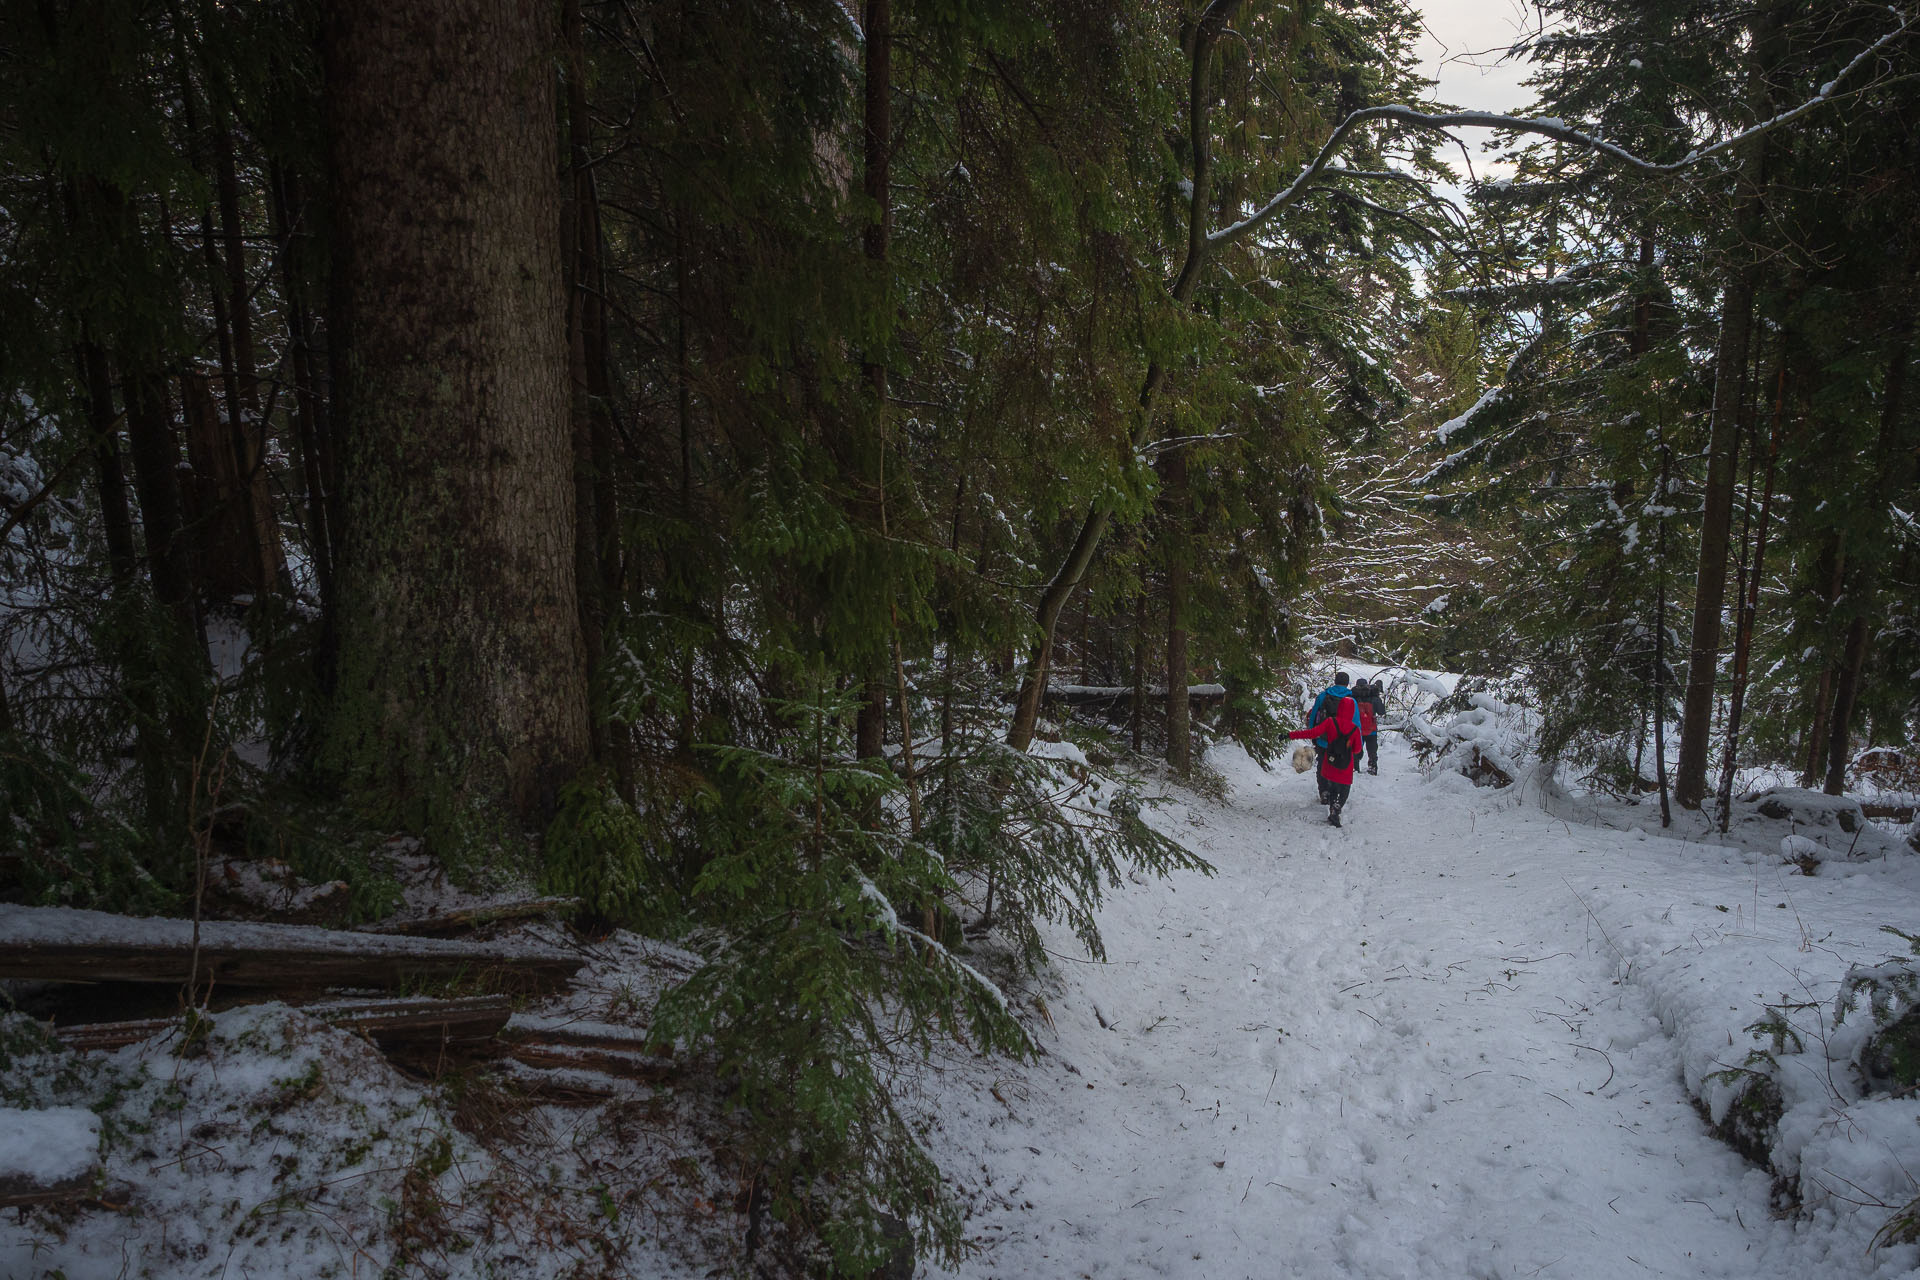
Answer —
1439 1042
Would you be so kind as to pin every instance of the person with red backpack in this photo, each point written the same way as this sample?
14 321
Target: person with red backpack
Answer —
1341 729
1372 707
1322 708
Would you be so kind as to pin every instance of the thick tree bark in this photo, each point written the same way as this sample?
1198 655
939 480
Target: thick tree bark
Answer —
461 701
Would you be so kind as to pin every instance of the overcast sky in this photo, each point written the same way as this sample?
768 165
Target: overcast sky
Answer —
1463 49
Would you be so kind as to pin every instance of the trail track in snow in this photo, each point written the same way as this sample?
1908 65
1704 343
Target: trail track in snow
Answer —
1395 1049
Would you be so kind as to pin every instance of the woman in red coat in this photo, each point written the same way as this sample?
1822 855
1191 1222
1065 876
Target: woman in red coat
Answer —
1341 728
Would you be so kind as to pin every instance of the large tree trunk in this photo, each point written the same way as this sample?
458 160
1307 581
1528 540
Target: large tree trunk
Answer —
461 701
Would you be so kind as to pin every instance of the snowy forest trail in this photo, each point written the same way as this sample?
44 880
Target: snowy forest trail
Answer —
1394 1049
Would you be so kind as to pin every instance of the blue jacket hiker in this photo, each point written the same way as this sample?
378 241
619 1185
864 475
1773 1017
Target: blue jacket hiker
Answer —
1334 692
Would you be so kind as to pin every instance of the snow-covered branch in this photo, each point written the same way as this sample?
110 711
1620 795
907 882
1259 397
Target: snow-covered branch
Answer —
1546 126
1158 447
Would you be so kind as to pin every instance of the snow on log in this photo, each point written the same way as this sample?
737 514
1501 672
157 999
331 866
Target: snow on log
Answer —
47 1155
66 945
1808 808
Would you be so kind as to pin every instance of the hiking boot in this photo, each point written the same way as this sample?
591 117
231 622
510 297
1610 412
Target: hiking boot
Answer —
1373 768
1333 816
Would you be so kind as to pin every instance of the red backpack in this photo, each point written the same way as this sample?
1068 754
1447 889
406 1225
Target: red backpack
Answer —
1367 725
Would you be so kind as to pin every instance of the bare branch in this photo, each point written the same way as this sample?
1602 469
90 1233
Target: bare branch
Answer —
1546 126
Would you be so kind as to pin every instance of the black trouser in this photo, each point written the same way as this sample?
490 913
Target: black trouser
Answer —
1336 793
1373 751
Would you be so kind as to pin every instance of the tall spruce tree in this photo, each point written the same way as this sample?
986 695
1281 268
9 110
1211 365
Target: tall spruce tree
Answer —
460 698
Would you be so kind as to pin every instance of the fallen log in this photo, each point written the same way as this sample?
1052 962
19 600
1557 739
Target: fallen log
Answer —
575 1038
620 1065
447 923
462 1024
92 946
1089 695
600 1048
1893 812
19 1193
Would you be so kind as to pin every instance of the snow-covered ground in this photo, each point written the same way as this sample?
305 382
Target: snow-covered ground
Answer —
1455 1038
1459 1037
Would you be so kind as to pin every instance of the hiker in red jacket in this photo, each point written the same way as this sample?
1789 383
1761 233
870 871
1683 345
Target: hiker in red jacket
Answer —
1341 729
